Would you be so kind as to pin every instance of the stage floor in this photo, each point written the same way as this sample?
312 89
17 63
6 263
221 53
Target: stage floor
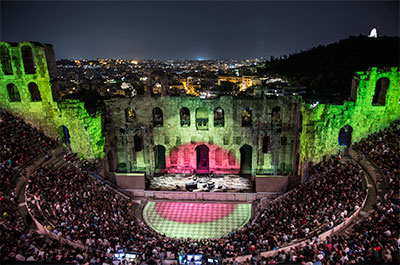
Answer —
196 220
177 182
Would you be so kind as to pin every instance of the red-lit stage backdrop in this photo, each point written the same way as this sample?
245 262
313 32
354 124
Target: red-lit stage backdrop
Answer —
202 158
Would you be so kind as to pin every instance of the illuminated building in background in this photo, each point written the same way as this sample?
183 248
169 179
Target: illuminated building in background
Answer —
190 86
243 82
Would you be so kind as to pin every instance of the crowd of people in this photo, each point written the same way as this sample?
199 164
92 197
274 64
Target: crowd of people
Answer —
82 209
20 143
73 205
375 239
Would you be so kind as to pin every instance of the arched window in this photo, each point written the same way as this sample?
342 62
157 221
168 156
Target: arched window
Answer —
265 145
201 119
247 117
130 115
13 93
5 60
138 143
381 88
219 117
186 156
28 60
157 117
34 91
231 157
185 117
218 156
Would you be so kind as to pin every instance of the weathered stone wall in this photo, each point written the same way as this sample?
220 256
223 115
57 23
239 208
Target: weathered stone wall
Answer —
322 124
231 137
319 126
47 114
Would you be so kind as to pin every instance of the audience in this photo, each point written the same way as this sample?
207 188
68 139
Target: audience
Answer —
74 205
19 143
82 209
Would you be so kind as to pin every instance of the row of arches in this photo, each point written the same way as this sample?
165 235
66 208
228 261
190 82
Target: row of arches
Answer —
202 117
203 158
14 95
28 60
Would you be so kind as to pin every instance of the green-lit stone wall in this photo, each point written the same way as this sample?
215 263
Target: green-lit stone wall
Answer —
319 130
231 137
85 130
48 115
322 123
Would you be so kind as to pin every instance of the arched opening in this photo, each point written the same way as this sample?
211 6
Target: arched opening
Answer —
202 159
34 91
276 120
218 156
345 136
137 143
28 60
231 157
159 158
201 119
381 88
185 117
247 117
130 115
13 93
158 117
5 60
245 159
265 145
64 135
219 117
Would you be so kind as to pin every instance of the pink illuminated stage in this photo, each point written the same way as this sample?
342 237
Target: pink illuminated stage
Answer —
202 158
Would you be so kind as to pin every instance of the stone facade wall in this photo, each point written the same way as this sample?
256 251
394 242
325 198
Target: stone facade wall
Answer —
301 133
184 139
322 124
47 114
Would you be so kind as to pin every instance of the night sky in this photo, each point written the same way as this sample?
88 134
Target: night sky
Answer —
191 30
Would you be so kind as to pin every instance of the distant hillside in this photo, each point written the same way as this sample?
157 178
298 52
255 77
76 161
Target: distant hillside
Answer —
327 71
